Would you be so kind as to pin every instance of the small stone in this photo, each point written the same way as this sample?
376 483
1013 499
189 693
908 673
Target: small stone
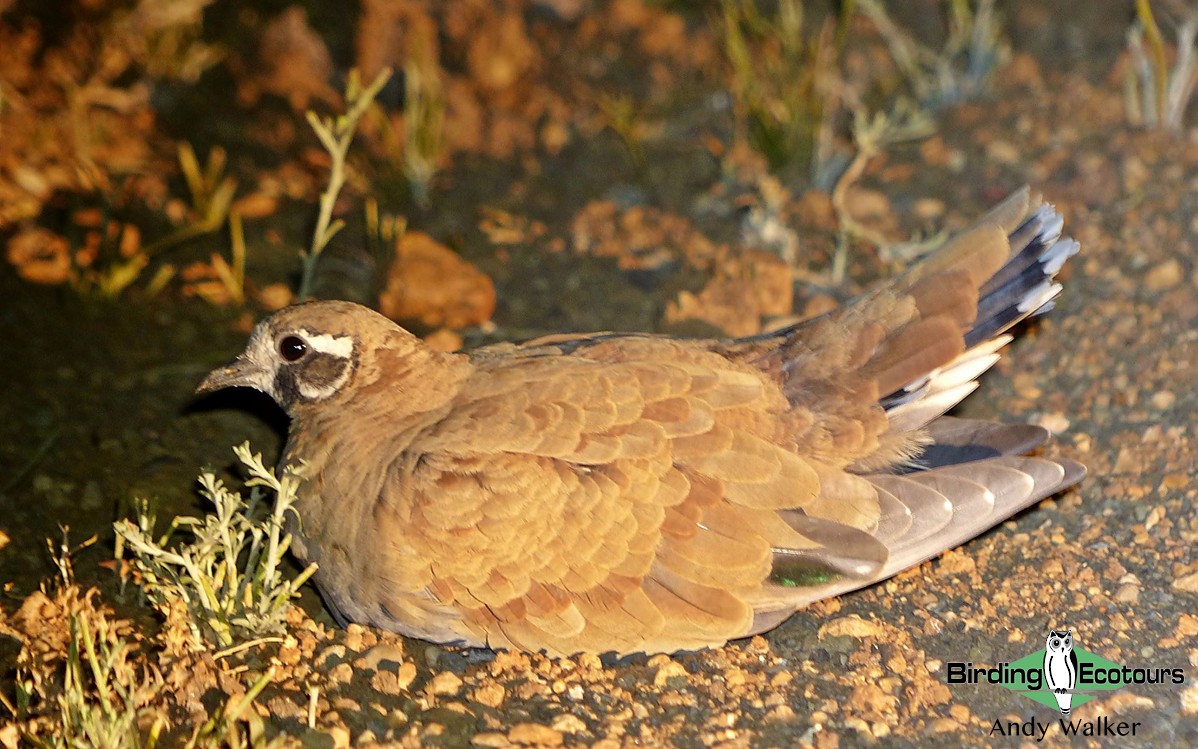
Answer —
444 339
534 734
406 675
380 655
1174 481
1003 152
1128 593
354 637
1125 702
781 714
1127 462
445 683
936 153
851 626
1053 422
431 283
815 209
289 652
1187 626
490 694
569 723
340 736
342 673
1189 700
1163 400
858 725
956 563
385 682
667 671
1186 584
1164 276
10 735
943 725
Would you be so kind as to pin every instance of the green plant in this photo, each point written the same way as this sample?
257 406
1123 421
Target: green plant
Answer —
424 125
872 134
95 695
104 700
620 113
961 68
335 135
211 196
166 39
779 82
228 573
1154 94
223 730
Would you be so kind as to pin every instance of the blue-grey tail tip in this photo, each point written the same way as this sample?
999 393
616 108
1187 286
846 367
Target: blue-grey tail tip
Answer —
1025 286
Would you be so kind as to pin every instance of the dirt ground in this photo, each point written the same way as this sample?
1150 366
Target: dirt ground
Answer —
561 225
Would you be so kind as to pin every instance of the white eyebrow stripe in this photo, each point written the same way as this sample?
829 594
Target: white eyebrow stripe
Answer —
339 346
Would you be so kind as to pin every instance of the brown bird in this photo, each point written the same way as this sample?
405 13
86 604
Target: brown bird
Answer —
640 493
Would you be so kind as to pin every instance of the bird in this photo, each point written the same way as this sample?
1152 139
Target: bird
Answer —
1060 668
625 493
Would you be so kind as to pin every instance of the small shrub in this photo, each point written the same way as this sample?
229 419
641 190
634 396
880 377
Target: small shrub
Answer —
104 700
228 574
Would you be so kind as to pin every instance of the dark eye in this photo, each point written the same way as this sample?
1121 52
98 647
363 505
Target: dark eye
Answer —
292 348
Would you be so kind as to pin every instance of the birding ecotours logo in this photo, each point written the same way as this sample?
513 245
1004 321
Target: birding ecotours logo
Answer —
1060 668
1062 676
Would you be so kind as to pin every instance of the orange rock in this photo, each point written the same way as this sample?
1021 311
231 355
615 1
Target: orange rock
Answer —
443 340
256 205
429 282
40 256
501 53
275 296
293 62
746 288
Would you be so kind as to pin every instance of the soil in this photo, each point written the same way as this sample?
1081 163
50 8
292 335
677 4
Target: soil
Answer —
569 223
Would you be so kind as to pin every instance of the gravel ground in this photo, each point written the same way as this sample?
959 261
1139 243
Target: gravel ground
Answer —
1110 371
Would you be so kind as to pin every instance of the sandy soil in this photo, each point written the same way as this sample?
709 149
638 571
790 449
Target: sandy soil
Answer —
98 408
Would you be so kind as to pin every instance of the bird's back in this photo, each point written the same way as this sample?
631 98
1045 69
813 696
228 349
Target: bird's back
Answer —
643 493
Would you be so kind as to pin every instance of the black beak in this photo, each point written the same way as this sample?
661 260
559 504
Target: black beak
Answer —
241 373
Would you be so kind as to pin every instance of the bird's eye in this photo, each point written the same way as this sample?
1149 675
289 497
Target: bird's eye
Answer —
292 348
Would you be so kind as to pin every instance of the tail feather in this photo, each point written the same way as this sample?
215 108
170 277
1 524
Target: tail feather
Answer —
935 331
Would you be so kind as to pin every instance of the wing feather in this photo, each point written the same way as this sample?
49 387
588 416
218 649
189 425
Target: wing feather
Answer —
652 494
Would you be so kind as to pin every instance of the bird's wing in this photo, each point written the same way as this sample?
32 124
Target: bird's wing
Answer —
623 500
636 493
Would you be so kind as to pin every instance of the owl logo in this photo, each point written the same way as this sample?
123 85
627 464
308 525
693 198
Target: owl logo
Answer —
1060 667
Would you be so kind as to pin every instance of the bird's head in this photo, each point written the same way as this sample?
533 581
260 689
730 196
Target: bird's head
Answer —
313 353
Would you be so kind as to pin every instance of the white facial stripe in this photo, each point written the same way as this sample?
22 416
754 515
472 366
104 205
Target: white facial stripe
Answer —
313 393
340 346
